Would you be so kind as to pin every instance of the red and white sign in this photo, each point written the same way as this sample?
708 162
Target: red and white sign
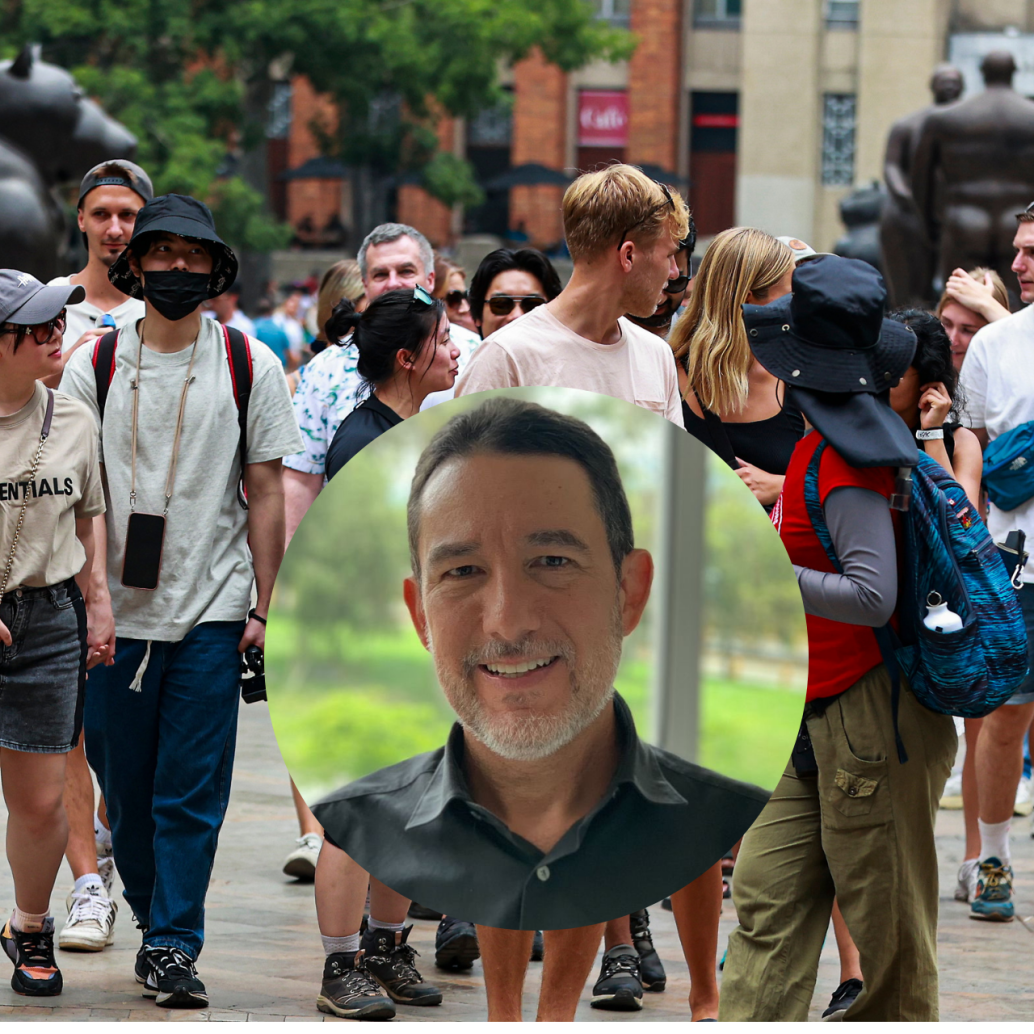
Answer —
602 118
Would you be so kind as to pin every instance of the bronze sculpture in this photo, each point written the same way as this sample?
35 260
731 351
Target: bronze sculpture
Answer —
973 170
908 259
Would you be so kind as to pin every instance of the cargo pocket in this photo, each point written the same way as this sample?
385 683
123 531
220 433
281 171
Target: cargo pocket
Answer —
857 799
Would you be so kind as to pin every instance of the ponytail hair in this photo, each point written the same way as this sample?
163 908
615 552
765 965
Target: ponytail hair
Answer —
396 321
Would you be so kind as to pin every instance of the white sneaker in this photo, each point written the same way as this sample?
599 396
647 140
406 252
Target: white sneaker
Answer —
951 798
1024 797
91 922
301 862
966 888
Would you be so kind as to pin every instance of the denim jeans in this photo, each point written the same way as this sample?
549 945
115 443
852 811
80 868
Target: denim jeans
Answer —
163 757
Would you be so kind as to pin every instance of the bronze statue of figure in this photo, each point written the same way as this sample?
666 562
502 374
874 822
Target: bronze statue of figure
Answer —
973 170
908 258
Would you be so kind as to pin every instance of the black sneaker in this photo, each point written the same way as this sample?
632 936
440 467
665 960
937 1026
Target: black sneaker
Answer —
350 992
141 967
620 986
650 966
172 980
35 970
842 1000
538 947
456 944
419 912
390 961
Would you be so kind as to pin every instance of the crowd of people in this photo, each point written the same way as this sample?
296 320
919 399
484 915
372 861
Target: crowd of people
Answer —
161 449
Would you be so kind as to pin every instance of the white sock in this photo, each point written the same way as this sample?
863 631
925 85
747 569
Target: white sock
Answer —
91 879
345 945
27 922
101 833
994 840
376 924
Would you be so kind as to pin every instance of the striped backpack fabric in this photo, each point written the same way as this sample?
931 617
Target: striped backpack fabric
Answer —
948 550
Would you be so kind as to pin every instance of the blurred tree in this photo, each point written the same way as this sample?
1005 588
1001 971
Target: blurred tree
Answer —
189 77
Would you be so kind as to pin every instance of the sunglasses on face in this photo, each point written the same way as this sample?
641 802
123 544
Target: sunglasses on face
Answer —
680 283
668 200
502 304
454 299
41 333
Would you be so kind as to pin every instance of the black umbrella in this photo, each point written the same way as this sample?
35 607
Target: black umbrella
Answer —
530 174
321 168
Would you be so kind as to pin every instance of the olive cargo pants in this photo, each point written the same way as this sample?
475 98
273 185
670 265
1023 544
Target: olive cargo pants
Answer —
861 831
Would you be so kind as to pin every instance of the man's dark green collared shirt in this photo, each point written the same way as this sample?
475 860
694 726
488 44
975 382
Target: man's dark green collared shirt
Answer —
661 823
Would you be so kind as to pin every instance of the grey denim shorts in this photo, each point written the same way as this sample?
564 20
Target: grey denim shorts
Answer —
43 671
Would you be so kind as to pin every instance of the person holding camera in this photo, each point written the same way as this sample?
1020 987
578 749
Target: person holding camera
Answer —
195 419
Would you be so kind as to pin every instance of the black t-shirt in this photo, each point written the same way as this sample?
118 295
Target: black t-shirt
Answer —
369 420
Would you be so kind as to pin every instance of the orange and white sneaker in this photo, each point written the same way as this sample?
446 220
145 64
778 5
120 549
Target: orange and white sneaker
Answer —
35 971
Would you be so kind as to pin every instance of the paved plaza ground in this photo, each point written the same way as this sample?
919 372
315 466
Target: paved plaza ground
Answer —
262 959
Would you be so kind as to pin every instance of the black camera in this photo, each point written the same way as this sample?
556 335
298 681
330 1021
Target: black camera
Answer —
253 675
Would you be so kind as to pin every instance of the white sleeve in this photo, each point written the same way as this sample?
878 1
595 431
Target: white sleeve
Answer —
490 367
973 381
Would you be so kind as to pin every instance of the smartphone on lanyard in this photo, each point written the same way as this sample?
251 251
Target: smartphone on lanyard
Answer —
145 540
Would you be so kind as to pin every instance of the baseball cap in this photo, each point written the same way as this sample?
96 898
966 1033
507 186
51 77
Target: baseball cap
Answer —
801 251
26 301
117 173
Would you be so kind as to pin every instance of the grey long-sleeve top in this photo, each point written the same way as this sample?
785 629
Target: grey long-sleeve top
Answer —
862 531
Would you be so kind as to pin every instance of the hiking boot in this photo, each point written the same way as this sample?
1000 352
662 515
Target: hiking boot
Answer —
842 1000
651 969
538 947
456 944
993 899
350 992
390 961
966 887
172 980
35 971
91 921
620 986
418 912
301 862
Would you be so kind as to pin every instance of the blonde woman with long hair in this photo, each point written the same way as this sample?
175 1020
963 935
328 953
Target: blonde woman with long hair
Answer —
730 402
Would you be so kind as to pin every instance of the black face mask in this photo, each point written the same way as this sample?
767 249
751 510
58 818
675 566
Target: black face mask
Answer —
176 293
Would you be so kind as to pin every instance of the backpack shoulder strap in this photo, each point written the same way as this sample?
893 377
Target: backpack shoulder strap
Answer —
104 367
238 356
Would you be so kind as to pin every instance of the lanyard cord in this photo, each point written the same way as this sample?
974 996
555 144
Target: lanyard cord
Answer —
170 479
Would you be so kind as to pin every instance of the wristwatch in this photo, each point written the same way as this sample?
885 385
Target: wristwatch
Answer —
927 434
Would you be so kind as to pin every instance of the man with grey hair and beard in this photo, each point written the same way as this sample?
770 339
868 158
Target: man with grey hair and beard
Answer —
544 810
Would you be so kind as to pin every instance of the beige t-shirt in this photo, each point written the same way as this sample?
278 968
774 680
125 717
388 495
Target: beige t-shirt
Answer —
67 486
537 350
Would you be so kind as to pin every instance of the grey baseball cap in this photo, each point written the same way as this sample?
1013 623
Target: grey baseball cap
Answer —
26 301
117 173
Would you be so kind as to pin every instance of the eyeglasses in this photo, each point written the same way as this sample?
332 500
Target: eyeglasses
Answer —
41 332
668 200
680 283
502 304
454 299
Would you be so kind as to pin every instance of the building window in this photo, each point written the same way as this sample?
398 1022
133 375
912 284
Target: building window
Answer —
838 129
491 127
616 12
278 123
842 14
720 14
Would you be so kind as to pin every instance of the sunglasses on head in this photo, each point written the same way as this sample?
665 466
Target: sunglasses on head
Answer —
668 200
680 283
421 295
502 304
454 299
41 333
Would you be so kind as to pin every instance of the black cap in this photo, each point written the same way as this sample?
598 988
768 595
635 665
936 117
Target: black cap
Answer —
26 301
117 173
829 335
184 217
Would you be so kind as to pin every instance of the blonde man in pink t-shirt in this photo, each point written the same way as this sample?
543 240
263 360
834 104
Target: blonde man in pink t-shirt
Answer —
623 232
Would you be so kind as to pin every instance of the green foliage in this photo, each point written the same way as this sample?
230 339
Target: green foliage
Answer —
189 76
241 217
451 180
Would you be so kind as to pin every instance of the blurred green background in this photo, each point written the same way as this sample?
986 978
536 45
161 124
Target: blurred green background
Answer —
352 690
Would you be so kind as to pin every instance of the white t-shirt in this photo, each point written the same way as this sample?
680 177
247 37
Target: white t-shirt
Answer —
537 350
206 572
84 316
998 380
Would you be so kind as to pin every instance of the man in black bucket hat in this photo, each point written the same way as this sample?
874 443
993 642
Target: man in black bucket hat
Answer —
849 819
160 721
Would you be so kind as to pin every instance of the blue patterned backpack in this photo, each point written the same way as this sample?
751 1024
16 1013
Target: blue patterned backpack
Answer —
948 551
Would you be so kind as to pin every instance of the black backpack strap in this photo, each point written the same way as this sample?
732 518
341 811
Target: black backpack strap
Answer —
238 355
104 367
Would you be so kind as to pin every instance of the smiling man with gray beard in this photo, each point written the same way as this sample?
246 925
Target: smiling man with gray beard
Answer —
544 810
